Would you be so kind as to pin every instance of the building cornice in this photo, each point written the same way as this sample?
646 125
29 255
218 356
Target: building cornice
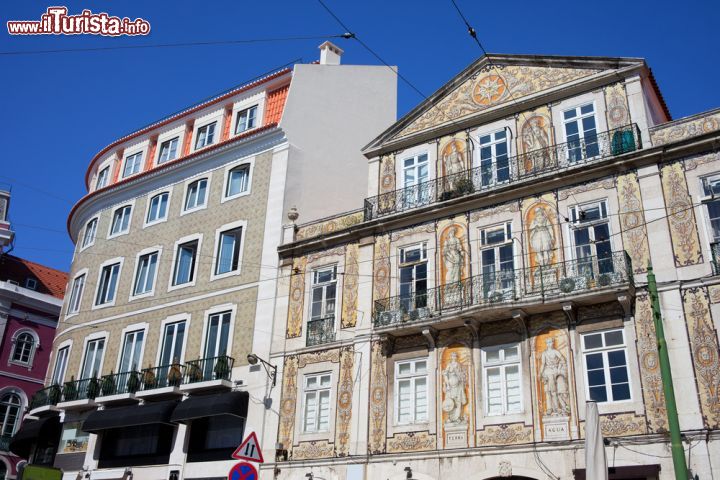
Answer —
30 298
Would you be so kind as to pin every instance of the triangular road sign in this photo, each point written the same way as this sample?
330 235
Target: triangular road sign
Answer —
249 449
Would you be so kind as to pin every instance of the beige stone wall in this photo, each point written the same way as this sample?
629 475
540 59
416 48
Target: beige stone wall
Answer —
206 293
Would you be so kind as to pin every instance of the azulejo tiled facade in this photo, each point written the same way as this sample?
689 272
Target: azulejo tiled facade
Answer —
498 281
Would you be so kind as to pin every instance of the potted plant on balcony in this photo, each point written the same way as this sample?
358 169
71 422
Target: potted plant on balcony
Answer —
222 368
175 374
148 378
93 387
195 373
70 390
108 384
133 382
53 394
604 280
567 285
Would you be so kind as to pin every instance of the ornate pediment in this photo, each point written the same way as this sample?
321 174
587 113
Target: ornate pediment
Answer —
488 87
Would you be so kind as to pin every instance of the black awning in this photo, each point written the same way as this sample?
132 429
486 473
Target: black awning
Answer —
231 403
31 431
119 417
634 472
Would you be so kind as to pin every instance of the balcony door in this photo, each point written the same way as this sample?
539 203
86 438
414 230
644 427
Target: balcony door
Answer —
415 174
413 277
591 238
173 339
496 256
216 342
494 161
93 358
581 133
132 351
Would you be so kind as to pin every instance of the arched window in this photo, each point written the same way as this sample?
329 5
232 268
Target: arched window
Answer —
24 350
10 406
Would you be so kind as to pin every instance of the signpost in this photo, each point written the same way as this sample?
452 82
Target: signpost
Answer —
249 450
243 471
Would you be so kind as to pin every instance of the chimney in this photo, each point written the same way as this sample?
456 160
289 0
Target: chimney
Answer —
330 54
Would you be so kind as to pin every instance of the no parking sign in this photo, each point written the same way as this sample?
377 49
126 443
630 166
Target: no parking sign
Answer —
243 471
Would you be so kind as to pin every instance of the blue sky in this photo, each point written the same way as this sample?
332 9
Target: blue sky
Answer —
58 110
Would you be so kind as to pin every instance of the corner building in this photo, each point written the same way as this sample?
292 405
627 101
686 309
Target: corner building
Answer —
497 281
174 277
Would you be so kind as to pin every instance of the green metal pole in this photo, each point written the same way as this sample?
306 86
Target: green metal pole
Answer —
676 446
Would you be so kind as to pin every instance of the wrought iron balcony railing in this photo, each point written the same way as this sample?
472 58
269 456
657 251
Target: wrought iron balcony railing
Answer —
212 368
321 330
120 383
715 262
5 443
502 171
84 389
163 376
45 396
573 277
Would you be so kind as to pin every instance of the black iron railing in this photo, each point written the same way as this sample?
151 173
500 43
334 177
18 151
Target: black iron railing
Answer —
120 383
163 376
506 170
84 389
568 278
212 368
321 330
715 262
46 396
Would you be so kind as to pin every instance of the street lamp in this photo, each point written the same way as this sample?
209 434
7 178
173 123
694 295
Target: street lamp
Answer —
254 359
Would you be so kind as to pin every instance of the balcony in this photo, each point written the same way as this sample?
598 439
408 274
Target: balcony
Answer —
715 262
512 289
45 397
320 331
520 168
208 369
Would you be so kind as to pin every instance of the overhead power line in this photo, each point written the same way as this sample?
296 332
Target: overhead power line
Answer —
175 45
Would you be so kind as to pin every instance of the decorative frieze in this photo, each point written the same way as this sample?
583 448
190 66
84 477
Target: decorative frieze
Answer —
328 226
381 268
333 252
297 297
632 221
510 207
504 434
604 183
344 402
705 353
423 228
681 217
312 450
691 163
288 402
378 398
332 356
350 286
412 442
682 129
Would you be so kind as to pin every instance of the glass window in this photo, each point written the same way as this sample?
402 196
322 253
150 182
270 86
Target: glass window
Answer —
157 208
10 404
411 391
606 367
324 286
76 294
58 376
205 135
103 178
238 180
93 358
415 174
145 274
581 133
185 263
24 348
497 259
503 388
246 119
591 236
218 333
168 150
196 194
316 402
90 232
413 277
121 220
133 164
228 254
131 351
494 163
107 286
173 338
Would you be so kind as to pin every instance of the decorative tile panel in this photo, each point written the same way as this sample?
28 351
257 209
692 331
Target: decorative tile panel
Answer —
682 129
381 268
632 221
378 398
504 434
681 217
288 402
312 450
453 159
542 238
297 296
453 255
412 442
387 182
618 114
329 226
344 402
350 286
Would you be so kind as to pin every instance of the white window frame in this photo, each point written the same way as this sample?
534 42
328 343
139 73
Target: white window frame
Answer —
257 99
183 240
172 319
217 309
169 140
581 132
236 120
130 204
102 168
216 133
135 327
705 199
69 311
146 251
216 252
502 364
317 392
509 140
186 190
150 197
136 154
67 347
484 245
33 348
412 377
226 180
575 224
424 258
91 242
104 335
106 263
606 366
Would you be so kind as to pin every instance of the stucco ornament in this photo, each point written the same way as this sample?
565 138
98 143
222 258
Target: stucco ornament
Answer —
505 469
454 380
553 372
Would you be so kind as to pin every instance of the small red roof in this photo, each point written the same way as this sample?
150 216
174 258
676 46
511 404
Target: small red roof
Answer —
49 280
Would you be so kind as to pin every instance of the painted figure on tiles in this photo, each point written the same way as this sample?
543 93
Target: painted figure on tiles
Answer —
454 379
553 371
542 237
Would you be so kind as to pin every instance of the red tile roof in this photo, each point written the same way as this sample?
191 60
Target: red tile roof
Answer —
50 281
275 104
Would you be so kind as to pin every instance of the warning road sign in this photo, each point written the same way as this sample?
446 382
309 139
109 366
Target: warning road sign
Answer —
243 471
249 449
